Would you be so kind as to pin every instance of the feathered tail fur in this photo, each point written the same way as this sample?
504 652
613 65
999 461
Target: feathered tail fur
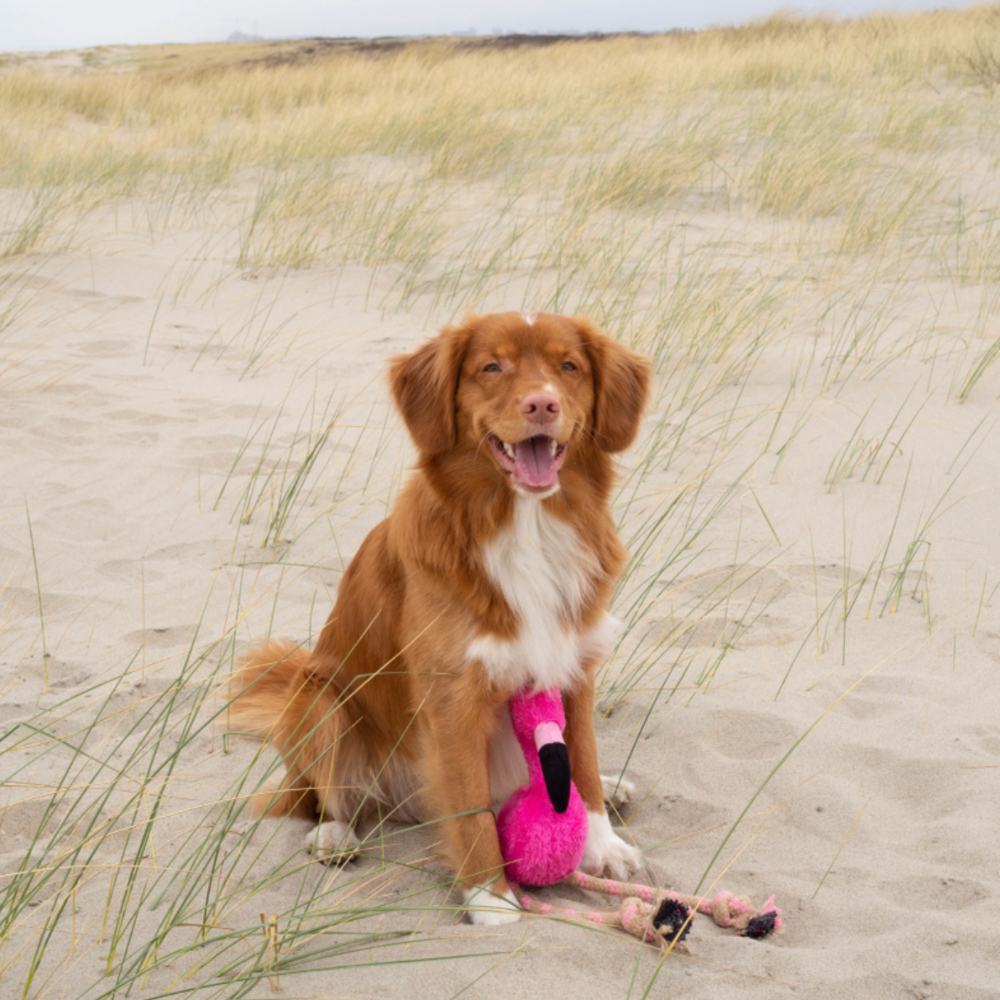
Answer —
278 698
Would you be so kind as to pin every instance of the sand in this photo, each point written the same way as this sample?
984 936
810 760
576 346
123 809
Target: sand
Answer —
151 388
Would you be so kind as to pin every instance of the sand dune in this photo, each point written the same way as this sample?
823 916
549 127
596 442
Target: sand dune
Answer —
805 695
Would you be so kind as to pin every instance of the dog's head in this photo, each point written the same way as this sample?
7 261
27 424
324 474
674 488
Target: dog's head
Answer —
523 391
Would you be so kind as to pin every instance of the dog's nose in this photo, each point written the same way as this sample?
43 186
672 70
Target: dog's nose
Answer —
540 407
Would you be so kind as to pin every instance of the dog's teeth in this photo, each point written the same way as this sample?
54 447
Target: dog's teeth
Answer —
510 451
553 445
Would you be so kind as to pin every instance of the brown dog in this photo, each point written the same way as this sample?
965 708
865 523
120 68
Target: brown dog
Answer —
493 572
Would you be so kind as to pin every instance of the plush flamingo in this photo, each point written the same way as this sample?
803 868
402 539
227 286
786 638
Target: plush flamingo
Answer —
543 828
543 825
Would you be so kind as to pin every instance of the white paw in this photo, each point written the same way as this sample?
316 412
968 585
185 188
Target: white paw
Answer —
617 790
332 840
487 909
605 853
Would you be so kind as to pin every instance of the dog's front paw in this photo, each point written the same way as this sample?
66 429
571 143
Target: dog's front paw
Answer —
618 790
605 853
332 842
488 909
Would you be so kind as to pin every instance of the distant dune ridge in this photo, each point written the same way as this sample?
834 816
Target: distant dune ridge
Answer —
207 256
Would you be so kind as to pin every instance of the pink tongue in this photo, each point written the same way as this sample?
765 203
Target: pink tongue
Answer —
536 465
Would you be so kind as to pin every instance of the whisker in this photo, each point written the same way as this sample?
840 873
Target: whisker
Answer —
479 446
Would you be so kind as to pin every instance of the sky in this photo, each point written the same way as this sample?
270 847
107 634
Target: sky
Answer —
44 25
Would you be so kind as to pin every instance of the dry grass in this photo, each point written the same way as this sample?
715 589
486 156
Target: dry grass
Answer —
648 114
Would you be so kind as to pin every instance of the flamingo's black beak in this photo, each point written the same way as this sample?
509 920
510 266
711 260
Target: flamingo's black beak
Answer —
555 768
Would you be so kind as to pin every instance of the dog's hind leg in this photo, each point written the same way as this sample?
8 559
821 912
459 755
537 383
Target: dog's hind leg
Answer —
336 779
317 734
332 841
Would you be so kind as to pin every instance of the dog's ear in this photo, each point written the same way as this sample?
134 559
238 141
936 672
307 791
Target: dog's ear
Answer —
621 385
424 385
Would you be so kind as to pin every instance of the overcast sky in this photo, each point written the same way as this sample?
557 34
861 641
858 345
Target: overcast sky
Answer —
33 25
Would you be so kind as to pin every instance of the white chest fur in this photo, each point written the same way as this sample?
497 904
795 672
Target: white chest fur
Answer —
545 575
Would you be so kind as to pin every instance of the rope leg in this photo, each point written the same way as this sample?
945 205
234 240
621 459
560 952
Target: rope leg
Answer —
724 908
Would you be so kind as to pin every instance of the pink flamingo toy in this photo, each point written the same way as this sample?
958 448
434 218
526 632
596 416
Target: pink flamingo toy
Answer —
543 825
543 829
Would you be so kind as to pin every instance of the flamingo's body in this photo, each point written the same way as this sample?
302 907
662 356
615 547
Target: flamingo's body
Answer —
543 825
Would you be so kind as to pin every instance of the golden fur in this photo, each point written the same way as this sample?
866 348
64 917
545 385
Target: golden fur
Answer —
388 707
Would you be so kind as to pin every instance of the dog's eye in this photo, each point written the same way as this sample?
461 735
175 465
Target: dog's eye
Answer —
492 367
568 366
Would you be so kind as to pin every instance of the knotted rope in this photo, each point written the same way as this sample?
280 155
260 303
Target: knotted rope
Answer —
659 916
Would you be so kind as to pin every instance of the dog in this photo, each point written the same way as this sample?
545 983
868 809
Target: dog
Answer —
493 572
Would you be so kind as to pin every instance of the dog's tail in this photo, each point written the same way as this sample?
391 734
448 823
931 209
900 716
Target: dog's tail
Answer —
274 697
263 686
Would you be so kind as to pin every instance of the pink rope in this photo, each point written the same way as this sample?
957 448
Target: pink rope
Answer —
638 905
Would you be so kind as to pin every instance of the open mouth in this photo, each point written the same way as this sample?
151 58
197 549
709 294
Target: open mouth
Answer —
533 463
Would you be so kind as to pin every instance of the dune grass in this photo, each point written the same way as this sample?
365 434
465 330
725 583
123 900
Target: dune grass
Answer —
782 215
